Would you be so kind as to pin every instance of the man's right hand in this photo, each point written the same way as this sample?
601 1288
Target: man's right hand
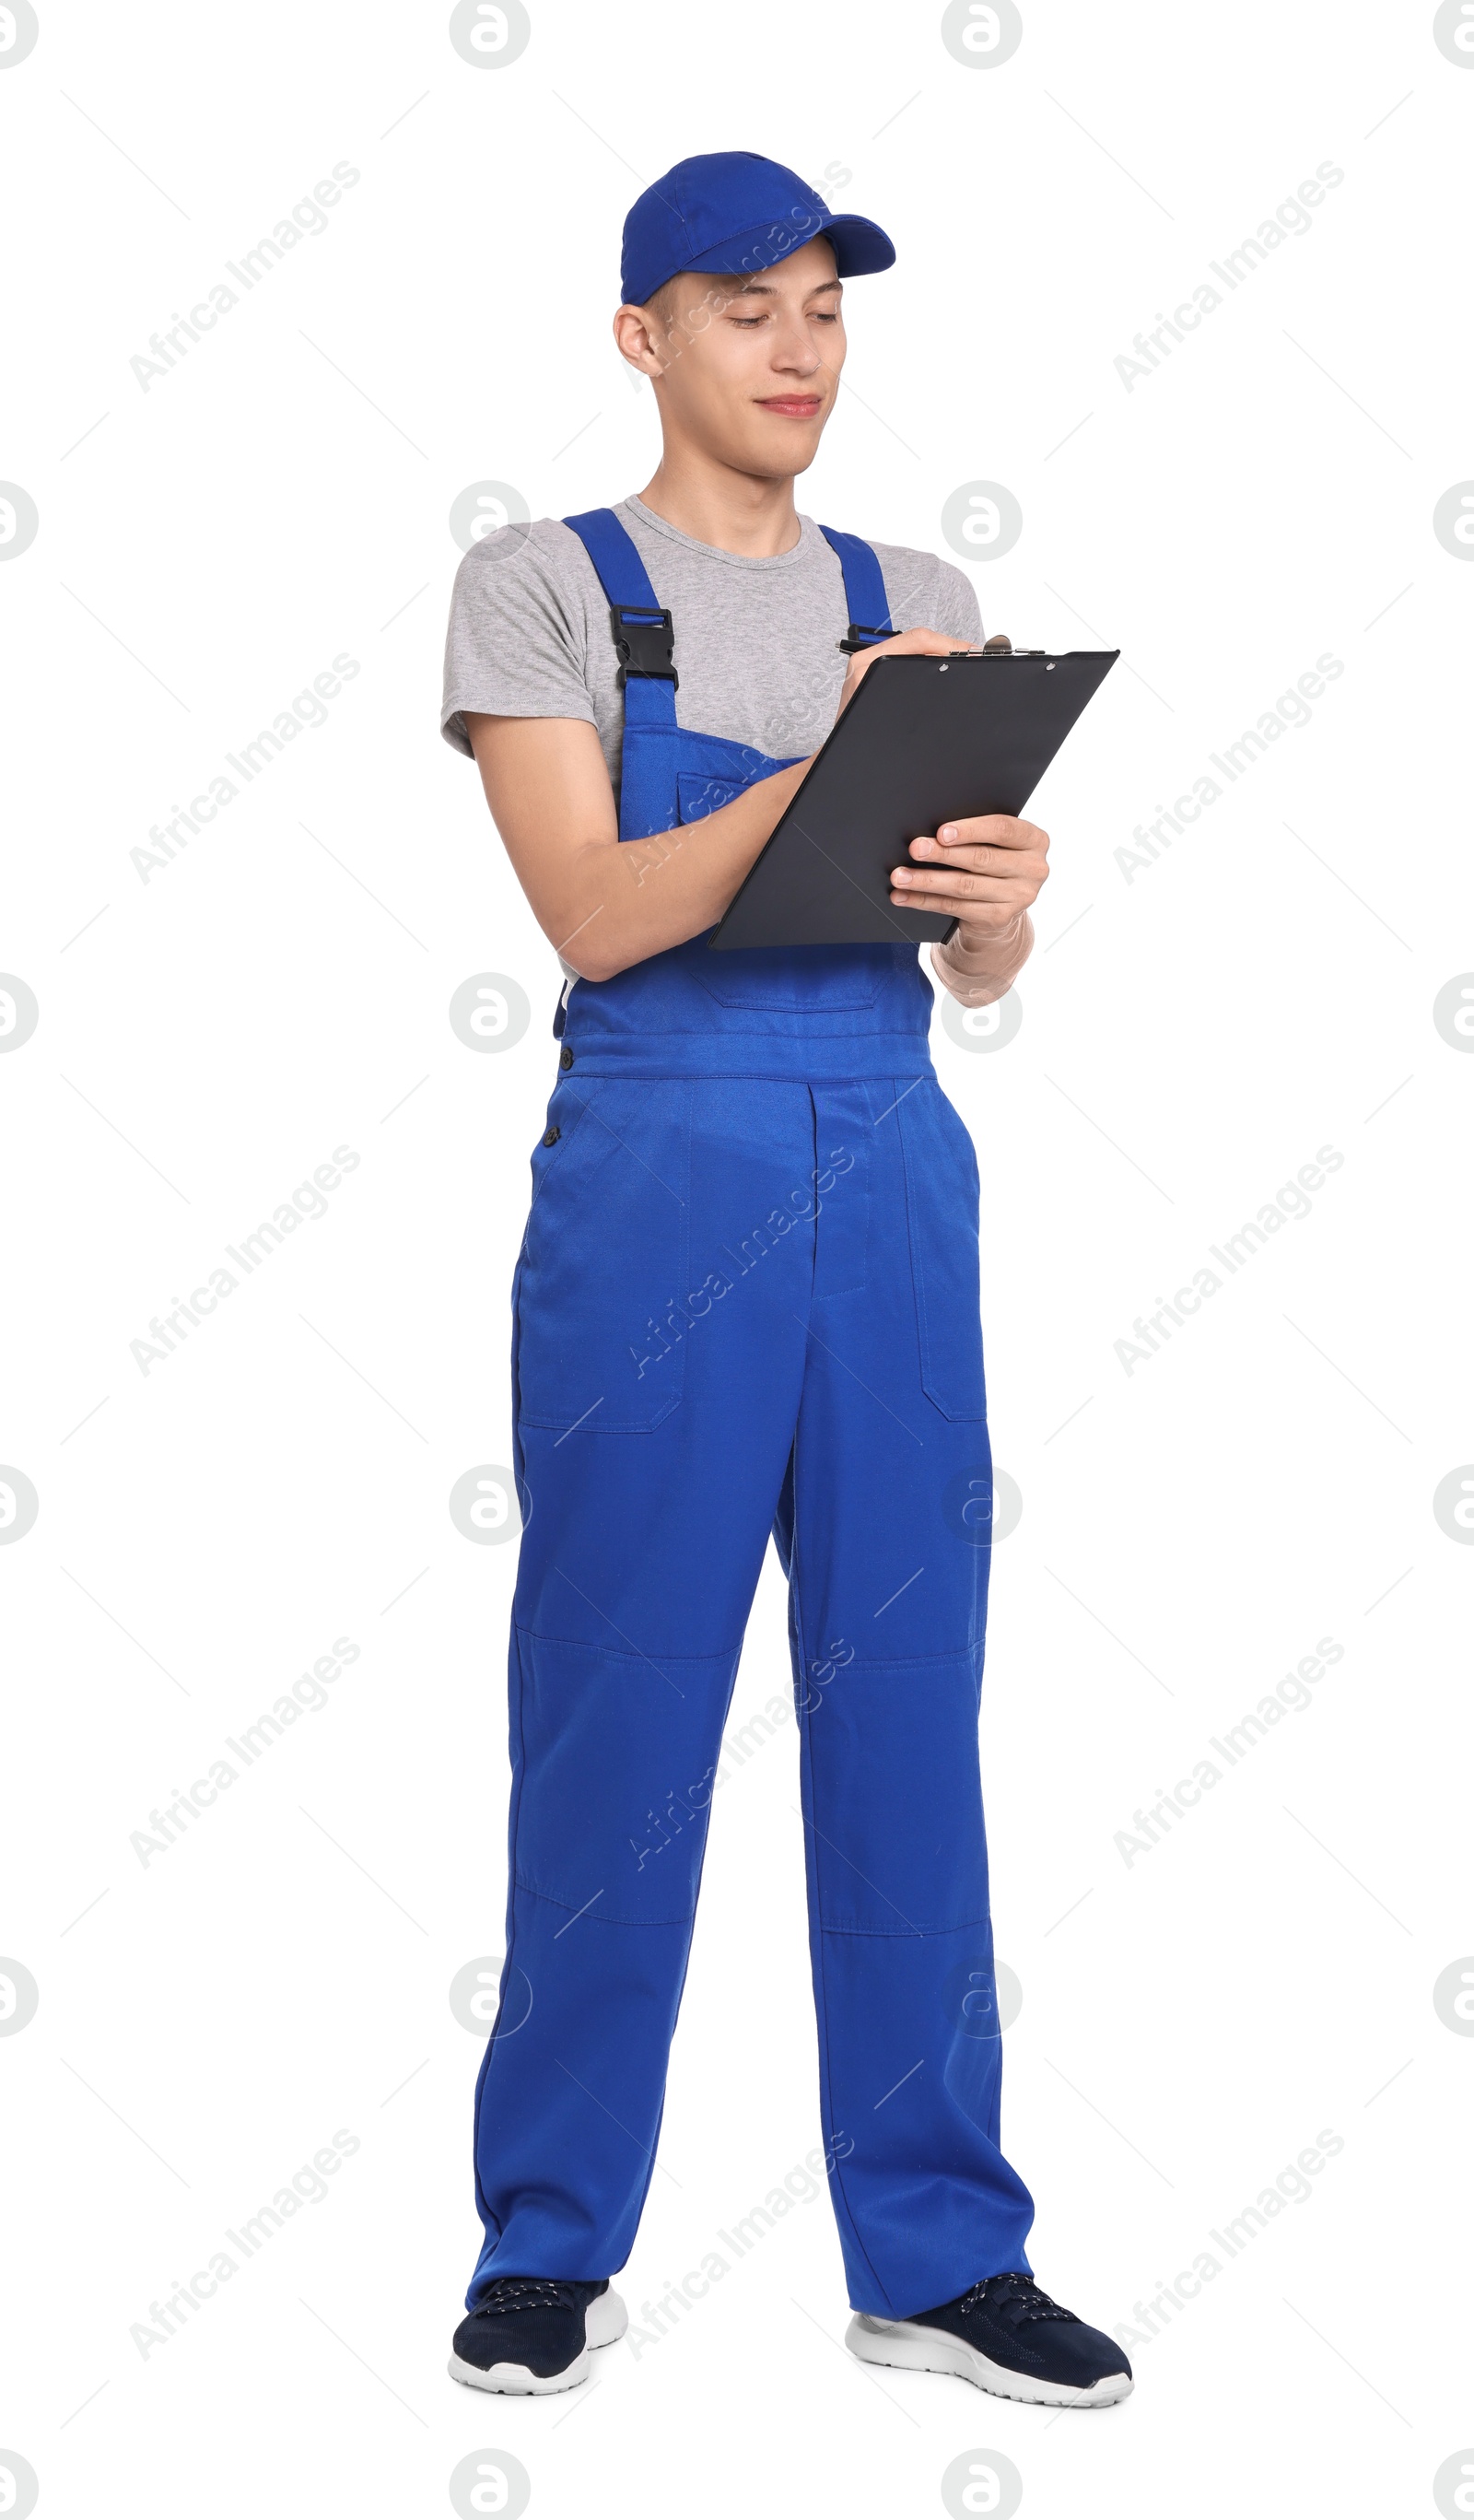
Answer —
908 643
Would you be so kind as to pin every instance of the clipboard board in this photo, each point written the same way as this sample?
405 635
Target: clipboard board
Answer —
926 741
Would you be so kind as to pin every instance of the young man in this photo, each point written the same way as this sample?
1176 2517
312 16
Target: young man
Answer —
747 1301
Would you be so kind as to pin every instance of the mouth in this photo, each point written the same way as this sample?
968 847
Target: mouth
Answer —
793 406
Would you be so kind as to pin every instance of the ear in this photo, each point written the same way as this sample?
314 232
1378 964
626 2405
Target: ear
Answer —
639 340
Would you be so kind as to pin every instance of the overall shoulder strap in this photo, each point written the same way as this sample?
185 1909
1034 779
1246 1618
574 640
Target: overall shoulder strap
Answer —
618 564
864 590
644 642
643 635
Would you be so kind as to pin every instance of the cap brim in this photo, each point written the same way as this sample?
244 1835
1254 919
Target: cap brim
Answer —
859 247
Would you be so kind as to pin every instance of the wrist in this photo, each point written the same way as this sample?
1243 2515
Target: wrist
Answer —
984 947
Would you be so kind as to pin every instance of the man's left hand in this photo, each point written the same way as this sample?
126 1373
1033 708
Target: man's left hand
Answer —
984 872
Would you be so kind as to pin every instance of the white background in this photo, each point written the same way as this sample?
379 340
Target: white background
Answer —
1190 1039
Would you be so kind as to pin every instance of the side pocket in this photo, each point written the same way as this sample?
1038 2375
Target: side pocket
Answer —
577 1147
942 1193
603 1258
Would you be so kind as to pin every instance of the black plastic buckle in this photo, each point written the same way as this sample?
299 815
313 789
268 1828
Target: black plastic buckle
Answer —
645 641
863 635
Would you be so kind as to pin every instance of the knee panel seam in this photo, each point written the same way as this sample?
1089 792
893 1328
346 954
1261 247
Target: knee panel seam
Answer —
600 1915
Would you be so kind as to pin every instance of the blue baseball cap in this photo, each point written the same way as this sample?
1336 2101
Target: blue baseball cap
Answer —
732 212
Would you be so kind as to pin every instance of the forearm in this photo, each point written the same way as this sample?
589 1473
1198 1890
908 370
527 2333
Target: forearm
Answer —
980 977
606 903
638 897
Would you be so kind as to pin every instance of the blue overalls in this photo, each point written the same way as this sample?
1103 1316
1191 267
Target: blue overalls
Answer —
747 1301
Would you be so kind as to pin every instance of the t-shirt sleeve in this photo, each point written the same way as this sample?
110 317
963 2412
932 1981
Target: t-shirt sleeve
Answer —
927 593
515 644
956 606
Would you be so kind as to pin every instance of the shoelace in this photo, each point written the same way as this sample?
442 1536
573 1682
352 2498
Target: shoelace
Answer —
1017 2293
527 2292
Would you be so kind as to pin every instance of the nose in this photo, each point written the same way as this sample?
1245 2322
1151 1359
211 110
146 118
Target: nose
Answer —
793 351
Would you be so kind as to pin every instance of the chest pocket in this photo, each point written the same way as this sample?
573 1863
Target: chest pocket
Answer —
699 795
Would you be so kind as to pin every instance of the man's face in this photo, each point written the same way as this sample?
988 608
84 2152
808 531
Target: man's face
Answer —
747 368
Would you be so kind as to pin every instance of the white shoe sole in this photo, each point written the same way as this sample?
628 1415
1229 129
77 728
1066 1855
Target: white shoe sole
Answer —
903 2345
605 2322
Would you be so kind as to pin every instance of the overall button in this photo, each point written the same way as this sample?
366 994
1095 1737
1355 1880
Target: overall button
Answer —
565 1058
553 1137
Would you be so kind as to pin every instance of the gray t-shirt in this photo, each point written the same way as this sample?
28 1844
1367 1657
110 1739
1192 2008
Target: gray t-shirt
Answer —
757 640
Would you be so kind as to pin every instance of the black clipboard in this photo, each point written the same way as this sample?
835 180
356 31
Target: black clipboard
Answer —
926 741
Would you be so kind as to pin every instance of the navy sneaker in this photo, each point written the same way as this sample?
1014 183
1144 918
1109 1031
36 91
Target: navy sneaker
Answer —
529 2335
1007 2336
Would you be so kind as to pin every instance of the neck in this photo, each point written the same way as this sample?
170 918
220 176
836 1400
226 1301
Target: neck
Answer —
733 511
